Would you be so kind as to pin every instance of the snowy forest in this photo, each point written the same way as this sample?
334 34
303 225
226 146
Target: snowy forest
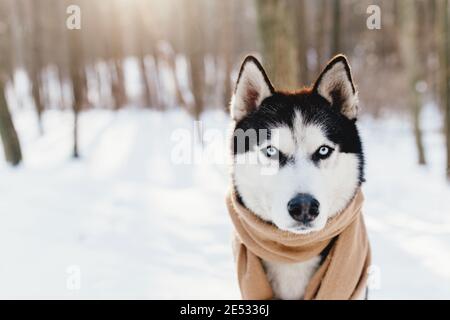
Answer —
93 93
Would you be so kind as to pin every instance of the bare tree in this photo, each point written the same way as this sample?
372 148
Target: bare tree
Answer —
8 134
78 79
35 63
336 46
114 47
144 39
194 46
444 72
320 34
227 47
301 39
277 34
409 51
10 140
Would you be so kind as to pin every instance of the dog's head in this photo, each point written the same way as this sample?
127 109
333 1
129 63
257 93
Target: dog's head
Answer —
297 157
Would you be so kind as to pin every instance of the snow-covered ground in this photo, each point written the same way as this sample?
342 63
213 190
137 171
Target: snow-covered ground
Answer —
126 221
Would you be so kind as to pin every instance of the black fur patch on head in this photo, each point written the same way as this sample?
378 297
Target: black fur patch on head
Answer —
280 108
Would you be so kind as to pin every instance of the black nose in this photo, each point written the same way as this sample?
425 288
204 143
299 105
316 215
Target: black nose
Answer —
303 208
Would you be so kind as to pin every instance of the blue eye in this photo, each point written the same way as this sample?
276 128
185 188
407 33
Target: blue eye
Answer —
270 151
324 152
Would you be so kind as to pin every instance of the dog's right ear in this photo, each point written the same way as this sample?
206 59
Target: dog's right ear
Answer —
335 84
252 87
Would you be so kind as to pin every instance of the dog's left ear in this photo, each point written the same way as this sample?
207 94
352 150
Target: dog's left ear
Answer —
335 84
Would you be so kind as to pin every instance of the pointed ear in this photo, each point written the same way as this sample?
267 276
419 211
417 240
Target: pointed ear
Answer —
252 87
335 84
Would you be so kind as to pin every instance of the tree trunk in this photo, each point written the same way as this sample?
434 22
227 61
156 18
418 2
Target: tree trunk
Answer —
417 108
197 82
170 58
195 53
444 40
78 79
118 83
336 45
277 33
145 83
301 40
143 38
321 28
8 134
227 49
409 50
10 140
76 112
118 80
36 85
35 61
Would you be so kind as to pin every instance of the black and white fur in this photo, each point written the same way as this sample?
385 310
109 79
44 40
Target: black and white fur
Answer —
312 140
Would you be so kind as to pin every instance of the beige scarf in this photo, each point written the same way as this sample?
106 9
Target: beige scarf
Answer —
343 273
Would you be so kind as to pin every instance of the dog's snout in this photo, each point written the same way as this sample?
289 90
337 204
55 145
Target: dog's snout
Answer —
303 208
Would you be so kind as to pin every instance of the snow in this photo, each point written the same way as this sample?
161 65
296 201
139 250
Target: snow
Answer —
408 210
126 221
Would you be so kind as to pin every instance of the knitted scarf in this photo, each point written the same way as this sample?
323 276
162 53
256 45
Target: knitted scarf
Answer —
343 272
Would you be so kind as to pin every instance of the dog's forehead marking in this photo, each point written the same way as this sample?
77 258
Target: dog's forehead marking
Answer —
308 136
281 137
302 136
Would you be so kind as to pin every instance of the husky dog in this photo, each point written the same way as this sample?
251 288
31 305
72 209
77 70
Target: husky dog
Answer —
312 139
